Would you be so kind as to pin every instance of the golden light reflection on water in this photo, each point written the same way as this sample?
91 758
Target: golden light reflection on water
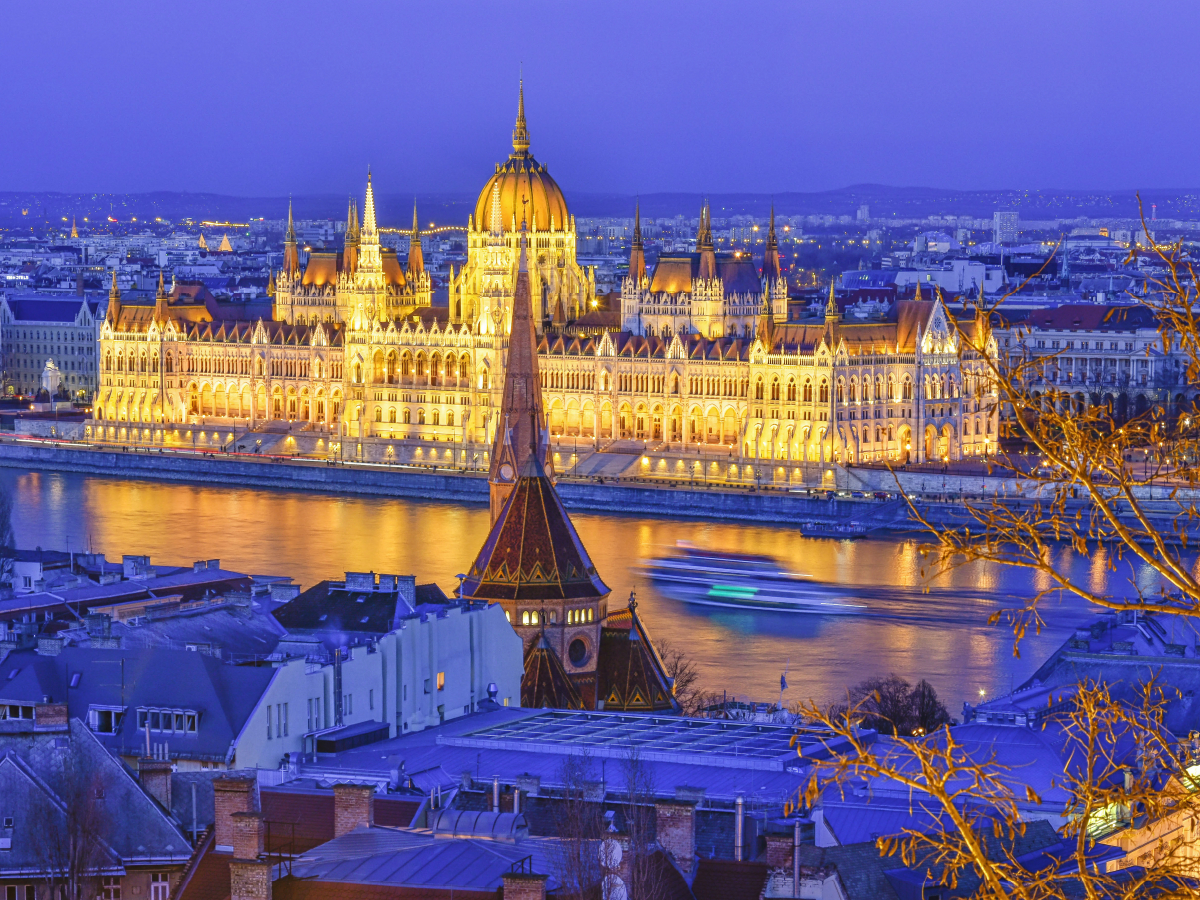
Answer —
939 634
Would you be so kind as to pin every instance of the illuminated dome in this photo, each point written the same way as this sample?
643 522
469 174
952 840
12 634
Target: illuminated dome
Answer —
521 177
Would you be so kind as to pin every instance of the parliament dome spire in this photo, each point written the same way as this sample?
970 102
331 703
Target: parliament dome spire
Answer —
521 132
521 176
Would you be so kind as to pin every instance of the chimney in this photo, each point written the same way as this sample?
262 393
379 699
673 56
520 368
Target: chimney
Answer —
232 794
353 807
155 776
779 850
48 716
248 828
739 823
675 826
523 886
250 879
249 870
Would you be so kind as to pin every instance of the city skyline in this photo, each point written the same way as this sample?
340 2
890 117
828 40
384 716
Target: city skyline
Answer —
951 99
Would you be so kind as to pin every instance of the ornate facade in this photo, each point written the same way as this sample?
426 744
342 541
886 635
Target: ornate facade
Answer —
706 354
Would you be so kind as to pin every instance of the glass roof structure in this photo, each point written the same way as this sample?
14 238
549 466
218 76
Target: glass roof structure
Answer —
713 742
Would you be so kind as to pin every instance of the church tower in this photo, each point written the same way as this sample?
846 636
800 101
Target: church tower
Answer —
521 427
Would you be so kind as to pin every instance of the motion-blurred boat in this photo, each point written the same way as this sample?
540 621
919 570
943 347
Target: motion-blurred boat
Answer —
741 581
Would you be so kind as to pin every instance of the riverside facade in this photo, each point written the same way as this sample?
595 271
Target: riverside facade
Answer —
702 354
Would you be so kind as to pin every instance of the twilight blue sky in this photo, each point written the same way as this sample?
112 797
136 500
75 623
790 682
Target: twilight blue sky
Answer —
262 99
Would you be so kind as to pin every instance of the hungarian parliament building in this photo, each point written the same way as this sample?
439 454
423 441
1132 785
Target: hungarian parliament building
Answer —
702 351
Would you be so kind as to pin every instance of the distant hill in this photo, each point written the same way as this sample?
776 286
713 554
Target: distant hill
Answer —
37 209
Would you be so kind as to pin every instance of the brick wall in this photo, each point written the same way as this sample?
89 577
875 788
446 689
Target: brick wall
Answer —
779 850
248 831
675 828
50 716
249 880
519 886
232 794
353 807
155 776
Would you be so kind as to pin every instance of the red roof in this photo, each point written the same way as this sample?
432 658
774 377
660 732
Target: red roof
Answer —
207 876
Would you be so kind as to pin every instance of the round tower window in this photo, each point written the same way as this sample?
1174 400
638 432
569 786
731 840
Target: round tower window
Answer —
577 652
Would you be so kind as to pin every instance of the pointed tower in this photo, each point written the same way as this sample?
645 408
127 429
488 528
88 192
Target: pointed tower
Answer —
416 258
831 319
161 298
74 230
771 270
708 289
521 427
113 313
368 279
637 253
521 131
350 246
764 328
704 245
291 256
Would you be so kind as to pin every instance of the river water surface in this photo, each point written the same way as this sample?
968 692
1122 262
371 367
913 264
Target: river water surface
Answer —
916 629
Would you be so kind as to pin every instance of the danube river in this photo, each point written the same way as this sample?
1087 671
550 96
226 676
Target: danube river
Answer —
937 631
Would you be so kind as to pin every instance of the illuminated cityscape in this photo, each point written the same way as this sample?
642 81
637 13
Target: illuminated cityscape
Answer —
791 496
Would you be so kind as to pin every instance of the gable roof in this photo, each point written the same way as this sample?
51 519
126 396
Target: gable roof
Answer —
629 674
32 772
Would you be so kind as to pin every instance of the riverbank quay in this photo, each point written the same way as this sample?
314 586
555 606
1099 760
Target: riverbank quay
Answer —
866 502
834 516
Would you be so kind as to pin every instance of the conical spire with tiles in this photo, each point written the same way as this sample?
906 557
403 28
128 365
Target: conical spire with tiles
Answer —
521 421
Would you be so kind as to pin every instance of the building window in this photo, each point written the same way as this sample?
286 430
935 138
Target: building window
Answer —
110 887
160 886
371 699
441 681
269 722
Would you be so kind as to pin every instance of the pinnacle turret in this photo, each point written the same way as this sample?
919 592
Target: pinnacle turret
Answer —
521 131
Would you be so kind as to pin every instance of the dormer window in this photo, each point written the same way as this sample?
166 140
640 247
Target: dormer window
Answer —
169 721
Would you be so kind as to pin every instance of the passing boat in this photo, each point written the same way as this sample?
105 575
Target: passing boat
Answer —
741 581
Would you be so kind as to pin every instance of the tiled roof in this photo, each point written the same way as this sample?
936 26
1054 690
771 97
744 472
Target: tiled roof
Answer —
533 551
629 674
33 776
546 683
208 876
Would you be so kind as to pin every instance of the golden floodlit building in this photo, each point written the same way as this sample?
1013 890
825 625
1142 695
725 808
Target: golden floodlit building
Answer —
355 361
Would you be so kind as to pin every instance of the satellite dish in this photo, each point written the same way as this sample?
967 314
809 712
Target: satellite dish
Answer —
610 853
